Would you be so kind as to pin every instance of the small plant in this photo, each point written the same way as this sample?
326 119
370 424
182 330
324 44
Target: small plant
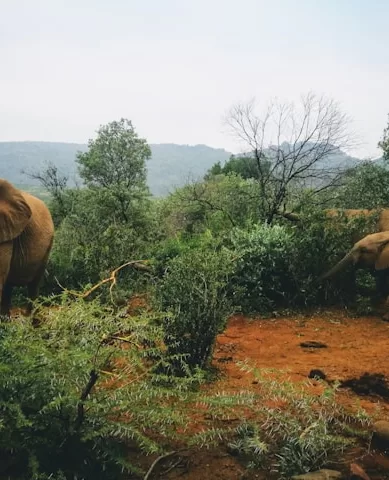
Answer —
290 431
193 295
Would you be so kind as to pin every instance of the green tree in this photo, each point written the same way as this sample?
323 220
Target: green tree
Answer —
108 221
219 203
366 186
115 165
244 165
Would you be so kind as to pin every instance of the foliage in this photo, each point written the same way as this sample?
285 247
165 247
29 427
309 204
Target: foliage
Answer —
244 166
321 240
219 203
277 265
193 293
48 428
261 280
115 164
366 186
109 222
291 431
180 245
89 243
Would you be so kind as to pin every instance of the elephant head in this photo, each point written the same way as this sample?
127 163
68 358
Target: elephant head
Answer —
15 212
370 252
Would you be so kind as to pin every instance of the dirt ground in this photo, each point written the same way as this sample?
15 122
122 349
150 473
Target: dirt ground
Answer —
353 347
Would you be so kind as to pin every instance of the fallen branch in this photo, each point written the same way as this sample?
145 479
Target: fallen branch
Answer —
159 459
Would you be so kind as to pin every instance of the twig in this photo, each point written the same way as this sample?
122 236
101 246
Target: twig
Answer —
93 376
172 467
159 459
125 340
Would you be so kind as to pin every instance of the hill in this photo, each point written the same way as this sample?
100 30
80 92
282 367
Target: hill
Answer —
171 165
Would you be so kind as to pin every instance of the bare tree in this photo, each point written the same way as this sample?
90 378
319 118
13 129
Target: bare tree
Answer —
292 147
53 182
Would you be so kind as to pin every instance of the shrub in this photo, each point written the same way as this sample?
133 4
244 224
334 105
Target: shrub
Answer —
181 244
72 399
320 243
193 293
262 278
277 265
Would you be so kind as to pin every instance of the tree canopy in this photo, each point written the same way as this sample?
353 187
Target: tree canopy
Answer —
115 163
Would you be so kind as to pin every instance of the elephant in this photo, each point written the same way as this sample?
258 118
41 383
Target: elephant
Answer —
381 225
372 253
333 214
26 238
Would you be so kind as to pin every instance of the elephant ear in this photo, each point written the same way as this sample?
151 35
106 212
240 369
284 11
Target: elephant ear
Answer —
382 261
14 212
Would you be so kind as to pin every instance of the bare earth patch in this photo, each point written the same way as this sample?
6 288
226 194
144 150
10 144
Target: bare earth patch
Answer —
351 347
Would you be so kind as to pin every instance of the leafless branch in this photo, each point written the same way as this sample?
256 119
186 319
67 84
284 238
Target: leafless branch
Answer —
306 136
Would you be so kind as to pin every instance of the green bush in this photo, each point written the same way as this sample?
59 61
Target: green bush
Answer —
277 265
182 243
193 293
52 424
264 259
320 243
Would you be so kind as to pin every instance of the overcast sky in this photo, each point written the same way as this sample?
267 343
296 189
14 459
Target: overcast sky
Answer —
174 67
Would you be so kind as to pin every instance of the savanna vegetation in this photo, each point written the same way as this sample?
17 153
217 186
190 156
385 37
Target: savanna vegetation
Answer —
88 382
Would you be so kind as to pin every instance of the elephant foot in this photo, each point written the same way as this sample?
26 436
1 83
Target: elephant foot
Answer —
385 317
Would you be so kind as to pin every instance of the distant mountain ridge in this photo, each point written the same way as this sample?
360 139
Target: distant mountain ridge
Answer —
170 166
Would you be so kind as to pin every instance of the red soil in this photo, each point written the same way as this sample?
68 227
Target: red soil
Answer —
354 346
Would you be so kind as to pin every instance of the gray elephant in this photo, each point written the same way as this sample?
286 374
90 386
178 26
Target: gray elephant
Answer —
372 253
26 238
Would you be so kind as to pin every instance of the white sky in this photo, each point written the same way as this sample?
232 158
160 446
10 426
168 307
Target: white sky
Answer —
174 67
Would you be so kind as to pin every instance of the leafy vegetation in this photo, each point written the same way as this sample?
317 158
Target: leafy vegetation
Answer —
252 235
194 295
68 408
293 432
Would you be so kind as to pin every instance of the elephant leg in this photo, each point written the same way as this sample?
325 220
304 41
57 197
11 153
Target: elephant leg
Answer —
6 296
385 313
382 288
353 284
33 290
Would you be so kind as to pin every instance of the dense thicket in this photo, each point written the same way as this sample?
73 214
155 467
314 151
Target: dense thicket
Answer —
245 237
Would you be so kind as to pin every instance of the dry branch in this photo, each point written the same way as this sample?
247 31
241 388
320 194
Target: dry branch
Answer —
159 459
138 264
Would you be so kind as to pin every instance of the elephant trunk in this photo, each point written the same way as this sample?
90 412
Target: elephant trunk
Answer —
346 260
